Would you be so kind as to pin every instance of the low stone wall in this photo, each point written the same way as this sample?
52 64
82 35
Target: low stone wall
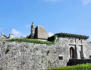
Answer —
31 56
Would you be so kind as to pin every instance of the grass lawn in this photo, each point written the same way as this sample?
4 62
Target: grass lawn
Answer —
77 67
1 68
30 40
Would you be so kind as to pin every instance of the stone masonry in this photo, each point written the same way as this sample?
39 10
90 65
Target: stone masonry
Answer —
31 56
38 32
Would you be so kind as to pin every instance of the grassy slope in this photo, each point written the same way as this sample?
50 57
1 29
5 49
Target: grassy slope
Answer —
30 40
77 67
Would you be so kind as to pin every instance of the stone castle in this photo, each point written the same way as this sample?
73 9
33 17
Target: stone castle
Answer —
38 32
68 49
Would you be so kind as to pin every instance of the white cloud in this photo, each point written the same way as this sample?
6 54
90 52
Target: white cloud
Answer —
16 33
85 2
50 34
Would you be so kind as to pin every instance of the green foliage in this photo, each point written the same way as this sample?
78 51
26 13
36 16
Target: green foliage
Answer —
54 37
72 35
1 68
77 67
30 40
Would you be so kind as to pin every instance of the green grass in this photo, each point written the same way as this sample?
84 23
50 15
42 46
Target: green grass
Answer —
30 41
1 68
77 67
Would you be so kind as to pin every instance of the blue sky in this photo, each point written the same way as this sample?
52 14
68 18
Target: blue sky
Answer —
71 16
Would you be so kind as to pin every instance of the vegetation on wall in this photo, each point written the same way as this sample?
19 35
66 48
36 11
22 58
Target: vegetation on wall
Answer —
54 37
30 40
77 67
72 35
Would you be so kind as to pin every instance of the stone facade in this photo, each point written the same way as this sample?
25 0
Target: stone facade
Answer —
31 56
38 32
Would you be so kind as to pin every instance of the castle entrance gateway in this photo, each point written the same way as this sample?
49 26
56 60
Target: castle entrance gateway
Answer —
72 51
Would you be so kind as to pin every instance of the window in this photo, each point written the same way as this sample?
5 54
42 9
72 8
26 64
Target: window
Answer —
60 57
90 56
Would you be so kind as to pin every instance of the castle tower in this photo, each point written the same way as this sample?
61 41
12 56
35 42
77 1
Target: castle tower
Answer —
32 30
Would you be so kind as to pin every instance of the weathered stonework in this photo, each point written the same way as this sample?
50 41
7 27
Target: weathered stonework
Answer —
38 32
31 56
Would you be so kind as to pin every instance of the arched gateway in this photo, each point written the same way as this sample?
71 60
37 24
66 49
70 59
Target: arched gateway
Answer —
72 53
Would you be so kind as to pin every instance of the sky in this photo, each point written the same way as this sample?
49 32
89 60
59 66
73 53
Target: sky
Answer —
69 16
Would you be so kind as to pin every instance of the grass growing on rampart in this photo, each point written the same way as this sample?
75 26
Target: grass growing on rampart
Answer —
77 67
1 68
30 41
